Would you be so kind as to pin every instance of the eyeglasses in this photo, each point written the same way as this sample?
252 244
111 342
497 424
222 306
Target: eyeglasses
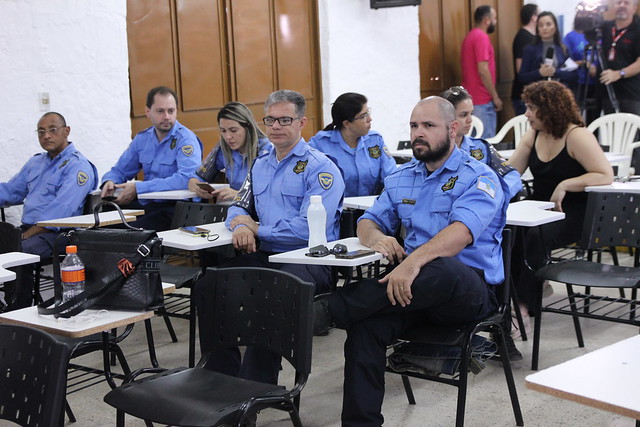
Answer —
53 131
362 116
457 90
322 250
284 121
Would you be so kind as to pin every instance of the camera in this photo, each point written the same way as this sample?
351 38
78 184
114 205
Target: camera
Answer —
589 17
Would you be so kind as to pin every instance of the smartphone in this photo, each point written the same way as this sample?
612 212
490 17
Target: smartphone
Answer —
191 229
205 187
356 254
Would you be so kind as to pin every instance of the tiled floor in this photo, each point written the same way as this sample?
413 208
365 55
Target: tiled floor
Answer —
487 404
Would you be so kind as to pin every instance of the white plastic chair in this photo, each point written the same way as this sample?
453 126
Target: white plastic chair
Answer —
477 127
519 124
618 131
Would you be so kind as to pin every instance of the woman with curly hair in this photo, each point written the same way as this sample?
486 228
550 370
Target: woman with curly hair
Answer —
564 158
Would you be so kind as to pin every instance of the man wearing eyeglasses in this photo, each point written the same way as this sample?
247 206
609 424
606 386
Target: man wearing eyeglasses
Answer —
53 184
453 209
270 216
167 152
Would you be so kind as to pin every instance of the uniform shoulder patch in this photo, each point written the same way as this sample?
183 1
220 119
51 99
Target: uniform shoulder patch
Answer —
485 184
477 154
82 178
374 152
187 150
386 151
450 183
300 166
325 179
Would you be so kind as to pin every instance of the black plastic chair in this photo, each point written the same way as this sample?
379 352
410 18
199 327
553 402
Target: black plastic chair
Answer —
461 336
178 304
33 376
251 306
612 219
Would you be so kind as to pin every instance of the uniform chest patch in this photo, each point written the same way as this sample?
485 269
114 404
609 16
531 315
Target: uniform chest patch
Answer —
485 184
82 178
374 152
450 183
187 150
477 154
408 202
174 141
325 179
300 166
63 164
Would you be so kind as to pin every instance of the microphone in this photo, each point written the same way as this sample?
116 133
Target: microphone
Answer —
548 58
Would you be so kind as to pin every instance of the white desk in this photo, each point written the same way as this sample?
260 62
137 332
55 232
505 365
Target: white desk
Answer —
84 221
406 153
180 240
604 379
359 202
175 194
14 259
298 256
616 187
531 213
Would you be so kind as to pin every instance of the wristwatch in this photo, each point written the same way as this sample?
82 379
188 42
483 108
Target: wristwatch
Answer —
622 73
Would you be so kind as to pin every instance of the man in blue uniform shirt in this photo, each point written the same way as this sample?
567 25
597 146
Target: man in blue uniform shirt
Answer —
167 152
453 209
51 185
272 207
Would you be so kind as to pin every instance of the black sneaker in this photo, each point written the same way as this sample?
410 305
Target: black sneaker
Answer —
512 351
322 322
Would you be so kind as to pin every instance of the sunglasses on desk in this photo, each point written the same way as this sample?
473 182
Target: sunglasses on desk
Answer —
322 251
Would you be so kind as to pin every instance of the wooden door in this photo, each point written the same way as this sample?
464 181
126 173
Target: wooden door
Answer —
216 51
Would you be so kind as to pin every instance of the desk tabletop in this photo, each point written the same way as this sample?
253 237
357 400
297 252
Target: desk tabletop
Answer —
530 213
180 240
359 202
84 221
616 187
13 259
175 194
406 153
604 378
298 256
87 323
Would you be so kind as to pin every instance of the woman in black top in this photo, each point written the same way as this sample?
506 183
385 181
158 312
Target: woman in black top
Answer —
564 158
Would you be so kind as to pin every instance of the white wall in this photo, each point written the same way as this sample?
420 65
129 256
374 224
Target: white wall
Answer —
77 51
373 52
567 9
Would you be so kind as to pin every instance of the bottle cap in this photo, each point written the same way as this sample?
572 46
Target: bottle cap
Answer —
72 249
316 199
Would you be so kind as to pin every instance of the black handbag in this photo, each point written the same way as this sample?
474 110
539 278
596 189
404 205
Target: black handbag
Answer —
122 270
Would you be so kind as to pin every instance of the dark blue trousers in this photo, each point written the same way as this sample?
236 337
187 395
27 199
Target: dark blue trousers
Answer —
445 292
258 364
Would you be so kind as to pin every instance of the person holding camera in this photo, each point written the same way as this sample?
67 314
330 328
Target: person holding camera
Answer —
621 48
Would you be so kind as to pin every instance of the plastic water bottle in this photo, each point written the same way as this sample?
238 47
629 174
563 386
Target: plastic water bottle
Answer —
72 272
317 220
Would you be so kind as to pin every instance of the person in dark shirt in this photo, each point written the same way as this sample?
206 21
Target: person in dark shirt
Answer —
524 37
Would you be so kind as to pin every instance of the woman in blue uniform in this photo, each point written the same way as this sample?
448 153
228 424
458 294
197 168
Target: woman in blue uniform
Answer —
357 150
241 141
478 148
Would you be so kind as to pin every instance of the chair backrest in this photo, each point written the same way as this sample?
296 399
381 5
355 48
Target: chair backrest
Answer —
10 238
262 307
192 213
519 124
477 127
33 376
612 219
616 130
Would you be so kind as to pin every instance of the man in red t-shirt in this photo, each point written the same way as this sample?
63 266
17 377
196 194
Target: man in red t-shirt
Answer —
479 69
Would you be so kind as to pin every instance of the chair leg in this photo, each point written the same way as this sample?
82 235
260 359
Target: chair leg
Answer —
516 305
192 333
167 321
576 319
69 412
120 419
508 374
150 344
537 324
408 390
462 384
